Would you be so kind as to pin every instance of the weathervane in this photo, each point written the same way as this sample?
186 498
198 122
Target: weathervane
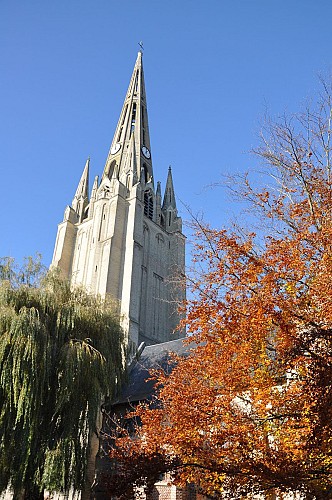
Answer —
141 45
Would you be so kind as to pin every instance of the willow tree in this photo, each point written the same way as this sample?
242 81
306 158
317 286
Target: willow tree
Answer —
61 350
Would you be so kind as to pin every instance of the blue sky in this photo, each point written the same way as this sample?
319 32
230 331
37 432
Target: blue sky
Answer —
212 69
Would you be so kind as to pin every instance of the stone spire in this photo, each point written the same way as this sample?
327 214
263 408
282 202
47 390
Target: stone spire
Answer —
169 196
133 121
171 220
93 196
158 203
81 198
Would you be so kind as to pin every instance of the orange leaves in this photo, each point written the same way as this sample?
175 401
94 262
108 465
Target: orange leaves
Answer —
243 407
251 408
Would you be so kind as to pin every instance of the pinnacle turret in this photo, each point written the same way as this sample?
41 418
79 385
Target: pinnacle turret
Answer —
93 196
158 191
170 214
81 198
169 196
94 188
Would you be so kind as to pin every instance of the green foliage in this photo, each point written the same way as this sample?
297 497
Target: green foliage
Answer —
29 274
61 351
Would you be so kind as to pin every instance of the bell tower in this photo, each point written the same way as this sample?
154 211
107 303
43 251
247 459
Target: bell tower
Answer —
125 240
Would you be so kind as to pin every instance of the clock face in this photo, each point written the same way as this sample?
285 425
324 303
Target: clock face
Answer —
146 152
115 148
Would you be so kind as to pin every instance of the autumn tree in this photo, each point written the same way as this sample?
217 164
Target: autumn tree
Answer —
61 350
250 410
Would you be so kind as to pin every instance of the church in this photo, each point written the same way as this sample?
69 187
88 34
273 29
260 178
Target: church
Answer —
125 238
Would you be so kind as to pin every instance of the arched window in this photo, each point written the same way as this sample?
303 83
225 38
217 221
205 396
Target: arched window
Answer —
148 204
111 169
145 169
133 117
123 120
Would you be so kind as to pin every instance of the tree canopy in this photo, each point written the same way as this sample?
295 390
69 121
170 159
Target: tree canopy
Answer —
61 350
250 409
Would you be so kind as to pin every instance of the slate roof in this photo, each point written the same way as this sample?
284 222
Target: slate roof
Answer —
154 356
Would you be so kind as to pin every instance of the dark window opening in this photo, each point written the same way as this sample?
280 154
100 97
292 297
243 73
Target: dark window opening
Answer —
133 114
145 168
143 118
148 204
122 123
111 169
120 134
136 82
124 116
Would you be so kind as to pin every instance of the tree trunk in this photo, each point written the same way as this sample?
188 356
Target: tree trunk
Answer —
91 468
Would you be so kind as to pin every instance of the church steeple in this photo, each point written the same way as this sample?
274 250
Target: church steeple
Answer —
125 242
81 198
133 121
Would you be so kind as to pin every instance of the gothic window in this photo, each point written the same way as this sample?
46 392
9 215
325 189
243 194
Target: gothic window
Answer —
145 169
158 296
148 204
136 82
143 304
146 244
123 120
111 169
143 124
102 227
133 117
143 120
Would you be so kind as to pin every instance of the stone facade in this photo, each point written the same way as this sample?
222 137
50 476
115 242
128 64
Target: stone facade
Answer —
125 239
